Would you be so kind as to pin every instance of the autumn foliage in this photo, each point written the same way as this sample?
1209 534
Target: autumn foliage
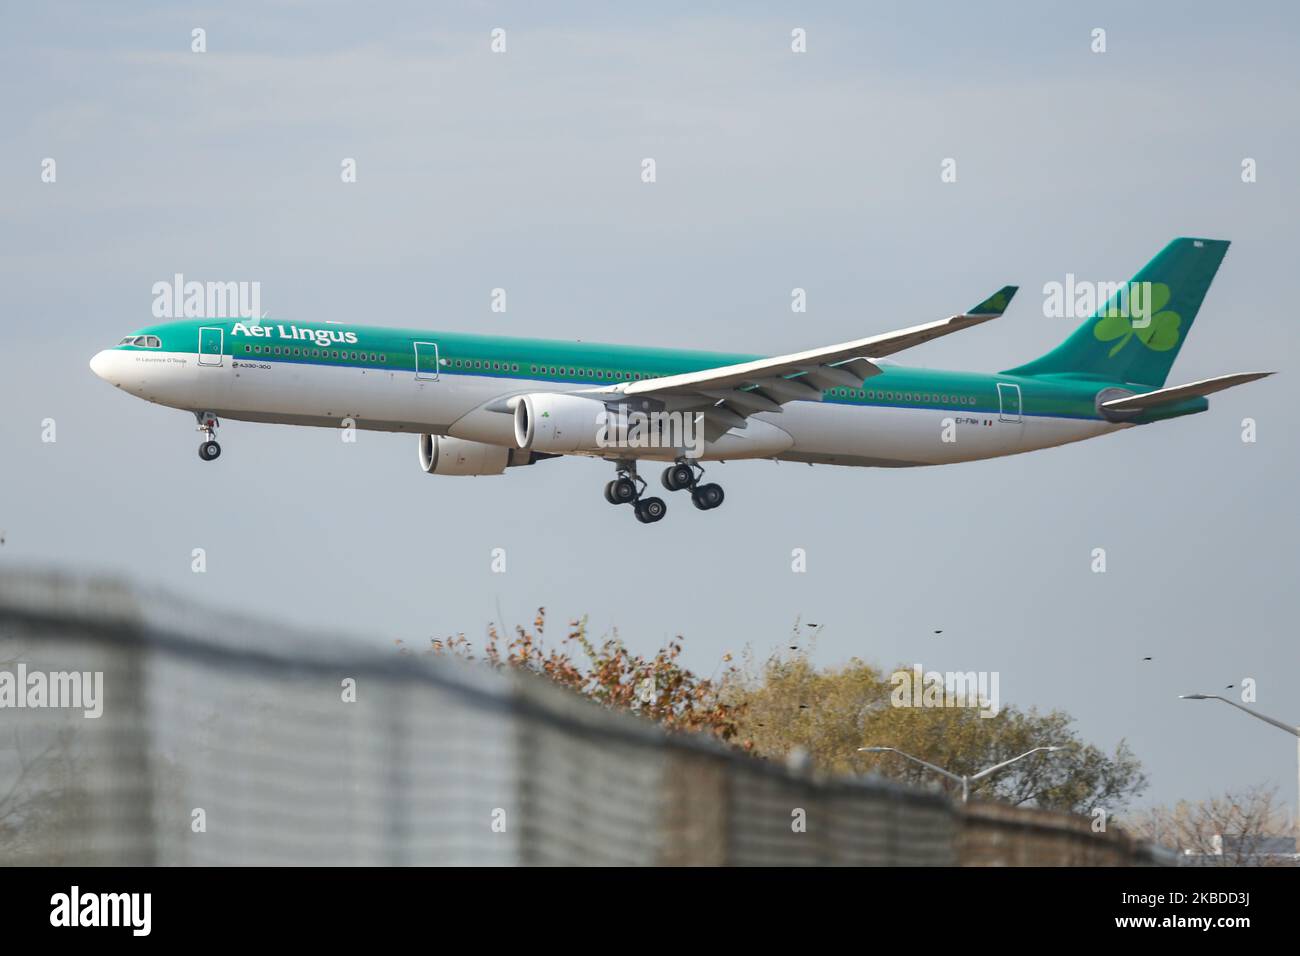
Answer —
784 705
658 688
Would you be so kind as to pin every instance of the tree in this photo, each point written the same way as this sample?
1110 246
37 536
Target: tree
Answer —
829 713
1235 829
658 688
787 705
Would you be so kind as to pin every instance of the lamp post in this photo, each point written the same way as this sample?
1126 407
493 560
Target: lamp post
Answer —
964 779
1281 724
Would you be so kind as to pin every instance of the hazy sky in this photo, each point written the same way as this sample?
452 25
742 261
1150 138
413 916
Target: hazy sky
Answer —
775 170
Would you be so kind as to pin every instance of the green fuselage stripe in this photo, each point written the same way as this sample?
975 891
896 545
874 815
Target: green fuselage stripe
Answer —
591 364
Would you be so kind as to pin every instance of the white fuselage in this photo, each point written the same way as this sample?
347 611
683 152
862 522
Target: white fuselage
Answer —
456 404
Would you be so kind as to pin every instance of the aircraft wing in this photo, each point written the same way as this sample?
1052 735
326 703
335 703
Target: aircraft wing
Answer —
730 393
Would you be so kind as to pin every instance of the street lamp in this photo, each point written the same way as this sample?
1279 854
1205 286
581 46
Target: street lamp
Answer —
1289 728
963 779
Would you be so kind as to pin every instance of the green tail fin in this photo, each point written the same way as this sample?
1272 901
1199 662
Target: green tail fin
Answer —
1136 337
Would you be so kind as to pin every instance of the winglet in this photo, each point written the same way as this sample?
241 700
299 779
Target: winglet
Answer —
997 303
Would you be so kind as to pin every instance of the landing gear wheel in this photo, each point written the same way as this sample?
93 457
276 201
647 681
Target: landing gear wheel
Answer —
650 510
621 491
678 476
707 497
208 422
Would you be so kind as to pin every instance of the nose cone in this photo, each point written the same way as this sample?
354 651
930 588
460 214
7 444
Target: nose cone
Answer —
102 364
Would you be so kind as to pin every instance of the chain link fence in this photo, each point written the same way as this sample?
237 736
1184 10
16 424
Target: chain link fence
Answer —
225 740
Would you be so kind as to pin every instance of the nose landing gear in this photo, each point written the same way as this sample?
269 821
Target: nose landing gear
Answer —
209 450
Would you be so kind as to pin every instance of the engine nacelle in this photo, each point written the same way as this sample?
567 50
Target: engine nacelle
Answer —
557 423
444 455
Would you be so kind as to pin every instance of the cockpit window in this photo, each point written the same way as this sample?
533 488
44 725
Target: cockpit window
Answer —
142 341
152 342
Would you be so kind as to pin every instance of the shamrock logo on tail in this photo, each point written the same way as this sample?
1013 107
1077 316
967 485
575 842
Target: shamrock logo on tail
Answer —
1159 335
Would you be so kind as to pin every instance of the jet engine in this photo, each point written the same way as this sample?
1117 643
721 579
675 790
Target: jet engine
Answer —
557 423
444 455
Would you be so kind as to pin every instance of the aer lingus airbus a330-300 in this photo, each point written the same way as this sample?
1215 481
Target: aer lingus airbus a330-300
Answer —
483 404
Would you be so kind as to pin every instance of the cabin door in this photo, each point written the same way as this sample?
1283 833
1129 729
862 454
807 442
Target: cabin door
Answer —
210 343
426 361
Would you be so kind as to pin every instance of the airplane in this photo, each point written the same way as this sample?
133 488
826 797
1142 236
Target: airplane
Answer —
483 404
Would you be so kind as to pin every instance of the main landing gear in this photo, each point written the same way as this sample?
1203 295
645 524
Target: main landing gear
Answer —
628 488
687 474
209 450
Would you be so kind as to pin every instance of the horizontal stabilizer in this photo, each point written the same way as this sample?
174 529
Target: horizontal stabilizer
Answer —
1163 396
